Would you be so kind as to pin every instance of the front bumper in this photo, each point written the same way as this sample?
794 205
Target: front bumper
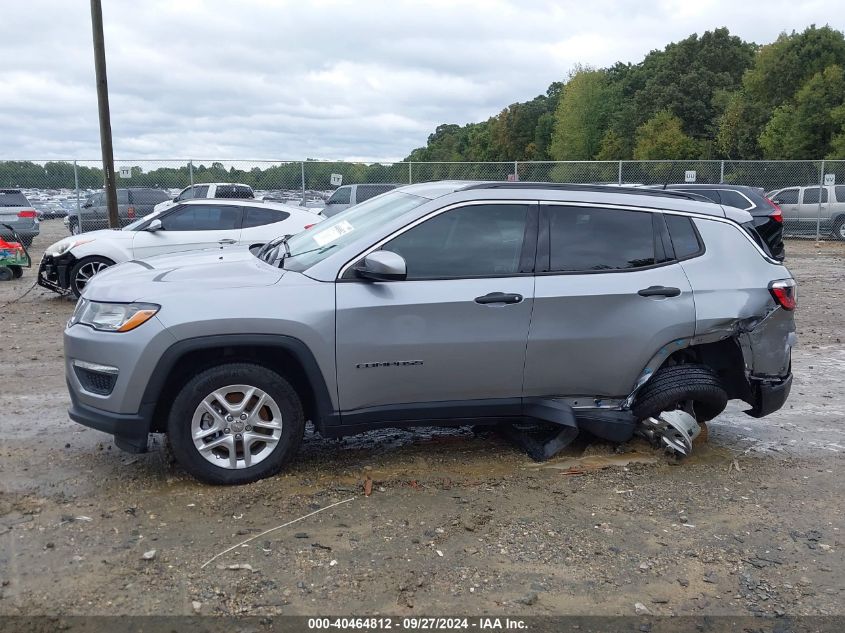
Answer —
131 431
54 272
769 395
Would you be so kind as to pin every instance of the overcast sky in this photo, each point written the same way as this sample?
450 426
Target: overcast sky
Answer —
329 79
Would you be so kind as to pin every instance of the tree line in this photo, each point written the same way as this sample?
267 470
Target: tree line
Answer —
709 97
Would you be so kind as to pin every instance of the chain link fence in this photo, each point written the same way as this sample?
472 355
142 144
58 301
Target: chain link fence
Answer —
810 193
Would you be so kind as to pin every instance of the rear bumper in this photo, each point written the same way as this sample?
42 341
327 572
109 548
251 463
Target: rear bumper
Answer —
54 272
131 431
769 395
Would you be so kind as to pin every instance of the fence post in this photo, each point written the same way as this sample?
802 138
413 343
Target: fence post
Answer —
191 172
620 173
515 170
410 175
722 173
819 213
302 168
76 185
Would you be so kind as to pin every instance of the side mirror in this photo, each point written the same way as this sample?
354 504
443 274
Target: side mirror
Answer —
154 226
382 266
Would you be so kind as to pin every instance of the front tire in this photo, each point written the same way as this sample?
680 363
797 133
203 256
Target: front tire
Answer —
235 423
83 270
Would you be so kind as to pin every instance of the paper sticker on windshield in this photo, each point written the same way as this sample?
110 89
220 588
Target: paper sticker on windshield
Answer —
332 233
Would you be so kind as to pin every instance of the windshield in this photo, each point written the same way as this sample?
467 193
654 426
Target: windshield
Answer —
134 225
314 245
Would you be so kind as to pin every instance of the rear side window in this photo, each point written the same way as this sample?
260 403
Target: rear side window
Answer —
258 216
149 196
233 191
811 195
12 198
840 193
735 199
365 192
684 237
710 194
586 240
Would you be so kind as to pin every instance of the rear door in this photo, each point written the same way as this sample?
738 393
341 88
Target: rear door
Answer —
813 207
592 331
190 227
440 343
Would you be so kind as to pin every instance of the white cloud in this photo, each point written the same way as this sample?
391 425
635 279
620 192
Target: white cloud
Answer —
333 79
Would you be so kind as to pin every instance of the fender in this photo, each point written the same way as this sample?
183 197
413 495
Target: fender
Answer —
298 349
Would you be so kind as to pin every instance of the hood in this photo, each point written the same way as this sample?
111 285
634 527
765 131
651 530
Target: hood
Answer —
190 273
66 244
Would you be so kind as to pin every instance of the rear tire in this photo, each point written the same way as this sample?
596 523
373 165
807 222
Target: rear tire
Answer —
5 273
678 384
204 450
17 271
839 230
83 270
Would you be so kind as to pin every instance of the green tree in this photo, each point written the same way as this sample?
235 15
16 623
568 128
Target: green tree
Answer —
662 138
581 116
806 129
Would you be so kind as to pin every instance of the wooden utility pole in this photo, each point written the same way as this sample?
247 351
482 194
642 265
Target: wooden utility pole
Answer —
103 107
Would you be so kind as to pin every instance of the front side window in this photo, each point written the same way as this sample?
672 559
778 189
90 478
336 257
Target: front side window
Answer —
122 196
200 191
595 239
202 217
340 196
787 196
186 194
475 241
258 216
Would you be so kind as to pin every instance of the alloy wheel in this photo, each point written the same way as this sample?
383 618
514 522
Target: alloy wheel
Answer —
86 271
236 427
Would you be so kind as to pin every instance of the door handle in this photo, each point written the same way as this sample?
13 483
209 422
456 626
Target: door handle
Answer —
227 241
659 291
499 297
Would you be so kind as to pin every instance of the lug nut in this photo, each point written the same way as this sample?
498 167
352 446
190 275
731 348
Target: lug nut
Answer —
248 427
244 416
229 418
238 436
226 430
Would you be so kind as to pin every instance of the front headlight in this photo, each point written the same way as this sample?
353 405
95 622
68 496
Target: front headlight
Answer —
112 317
62 248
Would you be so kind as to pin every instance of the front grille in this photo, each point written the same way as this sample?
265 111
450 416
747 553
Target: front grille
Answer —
95 381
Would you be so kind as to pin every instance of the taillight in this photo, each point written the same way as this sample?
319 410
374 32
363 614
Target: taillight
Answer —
27 213
130 212
308 226
784 293
777 214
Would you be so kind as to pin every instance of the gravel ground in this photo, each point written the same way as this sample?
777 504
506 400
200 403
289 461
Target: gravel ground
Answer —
456 523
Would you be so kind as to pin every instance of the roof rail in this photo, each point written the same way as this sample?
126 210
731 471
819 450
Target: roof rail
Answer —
567 186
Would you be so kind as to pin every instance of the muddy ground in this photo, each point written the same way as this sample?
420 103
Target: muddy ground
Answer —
752 523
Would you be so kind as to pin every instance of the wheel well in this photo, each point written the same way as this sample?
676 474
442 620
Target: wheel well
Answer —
725 358
188 365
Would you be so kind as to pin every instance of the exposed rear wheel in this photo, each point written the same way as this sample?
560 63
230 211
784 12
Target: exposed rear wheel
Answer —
839 230
17 271
235 423
691 386
83 270
5 273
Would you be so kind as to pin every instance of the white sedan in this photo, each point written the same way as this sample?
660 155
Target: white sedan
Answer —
194 224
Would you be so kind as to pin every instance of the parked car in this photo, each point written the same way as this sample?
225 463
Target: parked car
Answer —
50 210
768 217
226 190
132 203
20 215
806 207
350 195
638 311
70 263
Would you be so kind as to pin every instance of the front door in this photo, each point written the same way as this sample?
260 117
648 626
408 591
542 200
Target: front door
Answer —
449 340
608 296
190 227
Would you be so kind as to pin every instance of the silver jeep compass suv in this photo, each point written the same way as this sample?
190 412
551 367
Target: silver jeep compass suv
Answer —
563 307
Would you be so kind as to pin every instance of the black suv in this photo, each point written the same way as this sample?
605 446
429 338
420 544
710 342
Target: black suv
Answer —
768 219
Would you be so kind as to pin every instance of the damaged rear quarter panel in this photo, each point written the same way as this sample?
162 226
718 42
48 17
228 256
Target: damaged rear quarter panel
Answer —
732 299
